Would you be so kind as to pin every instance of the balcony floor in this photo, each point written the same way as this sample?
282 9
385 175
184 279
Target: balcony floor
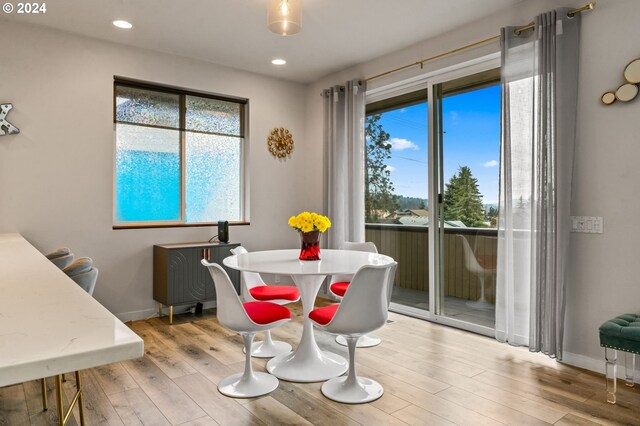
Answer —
454 307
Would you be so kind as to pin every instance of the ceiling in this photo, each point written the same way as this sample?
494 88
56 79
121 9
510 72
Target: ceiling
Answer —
336 34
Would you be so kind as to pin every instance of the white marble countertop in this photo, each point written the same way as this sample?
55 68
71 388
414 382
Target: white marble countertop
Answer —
286 262
48 324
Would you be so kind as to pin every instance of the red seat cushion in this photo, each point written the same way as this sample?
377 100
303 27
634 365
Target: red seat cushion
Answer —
487 261
339 288
324 315
266 312
274 292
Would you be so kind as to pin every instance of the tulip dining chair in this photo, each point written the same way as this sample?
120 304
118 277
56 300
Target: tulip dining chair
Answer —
338 287
255 290
362 310
483 268
246 319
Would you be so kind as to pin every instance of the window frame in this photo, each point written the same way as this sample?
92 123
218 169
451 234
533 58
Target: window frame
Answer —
182 130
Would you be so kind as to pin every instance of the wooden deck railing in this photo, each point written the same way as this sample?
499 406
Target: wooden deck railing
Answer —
408 245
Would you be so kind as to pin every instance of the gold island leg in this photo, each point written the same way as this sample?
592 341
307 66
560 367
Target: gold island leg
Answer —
171 315
63 416
45 405
59 407
159 310
80 397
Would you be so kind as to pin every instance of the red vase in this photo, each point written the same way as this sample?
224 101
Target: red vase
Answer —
310 242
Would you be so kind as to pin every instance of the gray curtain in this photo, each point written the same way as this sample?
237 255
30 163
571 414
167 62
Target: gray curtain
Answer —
344 151
539 81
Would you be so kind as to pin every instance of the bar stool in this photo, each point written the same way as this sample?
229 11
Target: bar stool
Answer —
247 319
61 257
363 310
254 289
82 272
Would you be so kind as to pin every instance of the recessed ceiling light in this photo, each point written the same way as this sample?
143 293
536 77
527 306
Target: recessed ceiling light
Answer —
123 24
278 62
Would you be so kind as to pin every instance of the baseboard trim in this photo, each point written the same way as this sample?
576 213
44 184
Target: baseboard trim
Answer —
153 312
596 365
583 361
137 315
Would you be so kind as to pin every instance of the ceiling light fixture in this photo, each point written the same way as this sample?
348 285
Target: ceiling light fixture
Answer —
285 16
125 25
278 61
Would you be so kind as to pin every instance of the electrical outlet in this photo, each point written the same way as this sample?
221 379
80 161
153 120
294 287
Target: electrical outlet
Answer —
276 278
587 224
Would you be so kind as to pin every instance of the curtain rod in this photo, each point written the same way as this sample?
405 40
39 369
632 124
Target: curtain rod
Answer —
421 62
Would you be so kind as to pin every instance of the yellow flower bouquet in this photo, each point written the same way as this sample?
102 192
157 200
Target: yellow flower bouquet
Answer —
310 226
309 222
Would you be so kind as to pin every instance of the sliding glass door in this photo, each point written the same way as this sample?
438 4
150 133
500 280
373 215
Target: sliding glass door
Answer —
433 153
466 147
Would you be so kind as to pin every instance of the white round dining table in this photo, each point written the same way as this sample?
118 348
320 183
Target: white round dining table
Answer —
307 363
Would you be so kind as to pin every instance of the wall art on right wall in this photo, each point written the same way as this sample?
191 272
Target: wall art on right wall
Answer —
629 90
5 126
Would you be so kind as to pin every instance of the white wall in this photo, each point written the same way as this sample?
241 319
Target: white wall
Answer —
603 274
56 175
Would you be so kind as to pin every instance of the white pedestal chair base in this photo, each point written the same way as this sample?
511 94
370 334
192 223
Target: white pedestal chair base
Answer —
349 391
247 384
365 341
267 349
257 384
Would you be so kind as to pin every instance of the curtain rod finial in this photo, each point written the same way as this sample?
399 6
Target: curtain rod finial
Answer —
574 12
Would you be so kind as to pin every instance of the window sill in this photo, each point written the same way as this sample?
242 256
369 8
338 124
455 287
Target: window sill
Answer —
173 225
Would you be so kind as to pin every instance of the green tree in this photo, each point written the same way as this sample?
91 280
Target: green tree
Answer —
378 185
463 200
491 216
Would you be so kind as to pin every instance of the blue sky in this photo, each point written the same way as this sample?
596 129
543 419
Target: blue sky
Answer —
472 138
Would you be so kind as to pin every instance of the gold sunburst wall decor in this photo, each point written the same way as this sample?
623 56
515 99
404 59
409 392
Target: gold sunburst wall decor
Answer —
280 142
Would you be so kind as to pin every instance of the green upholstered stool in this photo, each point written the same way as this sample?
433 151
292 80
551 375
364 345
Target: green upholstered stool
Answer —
620 334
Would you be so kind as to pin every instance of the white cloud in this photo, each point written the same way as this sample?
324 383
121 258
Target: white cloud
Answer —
490 163
454 116
400 144
391 168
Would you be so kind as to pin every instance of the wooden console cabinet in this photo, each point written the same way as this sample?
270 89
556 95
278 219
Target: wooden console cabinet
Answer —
180 279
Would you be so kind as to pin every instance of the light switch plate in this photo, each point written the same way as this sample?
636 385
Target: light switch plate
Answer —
587 224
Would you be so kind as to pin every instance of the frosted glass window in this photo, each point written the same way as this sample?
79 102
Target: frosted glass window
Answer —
179 156
213 177
148 107
213 116
147 174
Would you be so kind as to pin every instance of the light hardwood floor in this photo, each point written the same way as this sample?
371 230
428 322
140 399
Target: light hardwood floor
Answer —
432 375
